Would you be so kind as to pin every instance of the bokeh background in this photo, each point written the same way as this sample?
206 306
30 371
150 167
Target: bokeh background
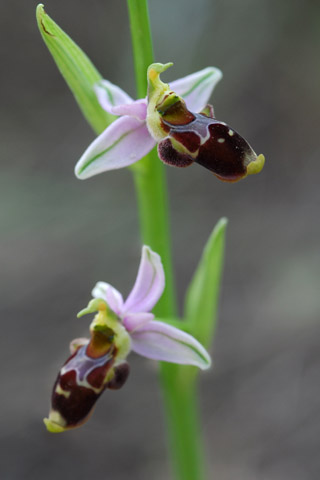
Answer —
58 236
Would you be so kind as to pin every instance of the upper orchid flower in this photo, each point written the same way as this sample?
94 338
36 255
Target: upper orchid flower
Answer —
166 117
118 327
185 137
127 139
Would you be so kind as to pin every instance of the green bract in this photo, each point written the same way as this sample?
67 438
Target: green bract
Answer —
202 297
76 68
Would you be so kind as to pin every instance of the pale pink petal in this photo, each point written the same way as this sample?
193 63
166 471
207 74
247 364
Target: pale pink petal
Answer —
110 294
137 109
196 88
124 142
149 283
116 101
110 95
76 343
160 341
131 321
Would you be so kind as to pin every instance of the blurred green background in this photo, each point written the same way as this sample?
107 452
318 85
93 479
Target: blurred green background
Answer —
58 236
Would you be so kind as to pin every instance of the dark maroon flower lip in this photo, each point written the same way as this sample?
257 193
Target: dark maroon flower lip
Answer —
210 143
80 383
185 137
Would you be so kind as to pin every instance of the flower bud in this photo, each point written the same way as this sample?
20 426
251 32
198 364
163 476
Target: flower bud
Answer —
184 137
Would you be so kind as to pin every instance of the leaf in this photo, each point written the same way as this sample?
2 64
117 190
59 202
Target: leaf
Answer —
76 68
203 293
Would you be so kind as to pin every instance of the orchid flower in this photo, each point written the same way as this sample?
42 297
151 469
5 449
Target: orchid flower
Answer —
166 117
118 328
127 139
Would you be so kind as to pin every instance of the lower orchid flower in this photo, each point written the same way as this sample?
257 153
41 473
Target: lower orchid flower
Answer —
118 327
166 117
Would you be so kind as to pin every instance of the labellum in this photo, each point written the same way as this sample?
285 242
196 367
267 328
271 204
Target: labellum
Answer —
184 137
85 375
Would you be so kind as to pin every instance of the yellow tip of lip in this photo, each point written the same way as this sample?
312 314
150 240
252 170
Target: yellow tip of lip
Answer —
256 166
52 426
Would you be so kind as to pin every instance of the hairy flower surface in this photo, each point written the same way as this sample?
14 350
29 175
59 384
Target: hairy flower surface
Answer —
118 327
178 118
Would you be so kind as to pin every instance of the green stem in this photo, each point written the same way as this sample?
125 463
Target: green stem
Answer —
180 399
141 42
179 394
149 177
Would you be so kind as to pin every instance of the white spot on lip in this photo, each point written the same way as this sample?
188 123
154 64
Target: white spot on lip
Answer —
221 140
60 391
230 132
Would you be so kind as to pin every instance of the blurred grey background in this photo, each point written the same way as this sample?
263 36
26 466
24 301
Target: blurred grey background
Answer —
58 236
